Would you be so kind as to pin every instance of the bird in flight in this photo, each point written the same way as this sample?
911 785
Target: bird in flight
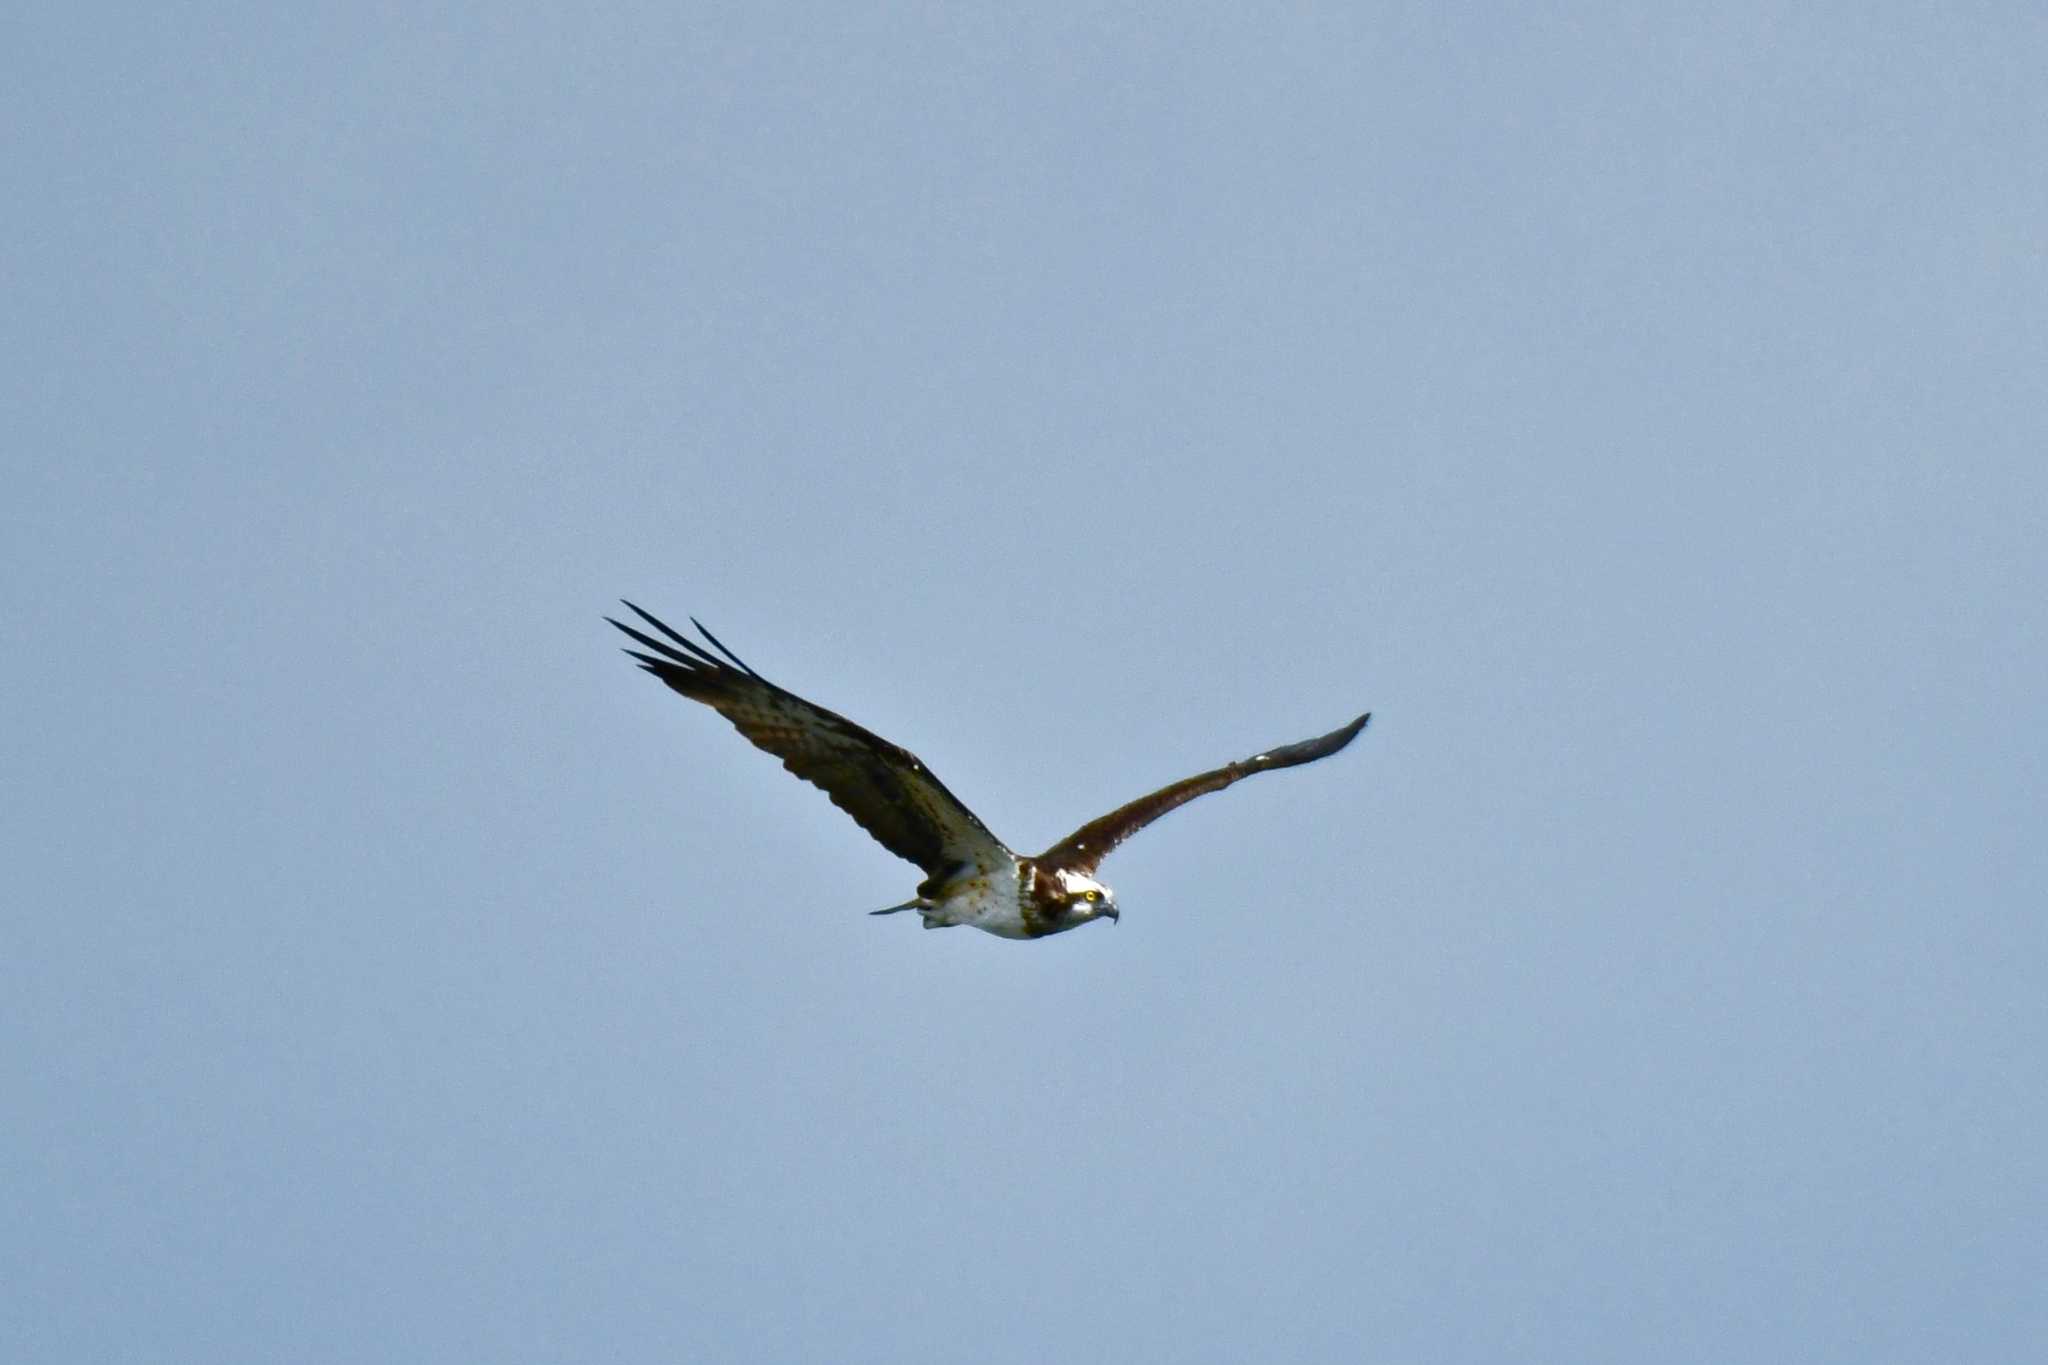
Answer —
971 877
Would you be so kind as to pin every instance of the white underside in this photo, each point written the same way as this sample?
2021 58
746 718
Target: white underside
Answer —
986 901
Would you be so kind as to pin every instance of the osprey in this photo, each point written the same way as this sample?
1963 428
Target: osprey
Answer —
971 877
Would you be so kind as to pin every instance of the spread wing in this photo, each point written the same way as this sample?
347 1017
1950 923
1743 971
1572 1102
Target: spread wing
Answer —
1087 846
885 789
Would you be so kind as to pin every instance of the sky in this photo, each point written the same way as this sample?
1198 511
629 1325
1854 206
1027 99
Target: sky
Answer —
1639 410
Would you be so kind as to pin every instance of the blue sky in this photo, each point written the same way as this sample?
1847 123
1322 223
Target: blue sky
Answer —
1638 410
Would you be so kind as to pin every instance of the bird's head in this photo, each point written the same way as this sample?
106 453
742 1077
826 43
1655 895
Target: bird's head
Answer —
1086 898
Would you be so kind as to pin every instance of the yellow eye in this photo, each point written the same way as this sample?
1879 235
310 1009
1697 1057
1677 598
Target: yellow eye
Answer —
1094 896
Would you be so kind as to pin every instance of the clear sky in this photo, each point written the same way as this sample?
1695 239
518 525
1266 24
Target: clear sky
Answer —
1639 409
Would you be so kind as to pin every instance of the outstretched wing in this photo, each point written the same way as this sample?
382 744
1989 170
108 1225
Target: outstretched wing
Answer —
1087 846
884 788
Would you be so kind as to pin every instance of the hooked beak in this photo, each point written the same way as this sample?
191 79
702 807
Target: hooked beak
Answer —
1114 917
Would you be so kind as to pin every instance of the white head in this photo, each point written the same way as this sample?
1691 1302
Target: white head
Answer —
1086 898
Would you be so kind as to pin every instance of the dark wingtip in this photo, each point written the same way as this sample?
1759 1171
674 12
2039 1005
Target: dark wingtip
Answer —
1309 750
719 645
1348 733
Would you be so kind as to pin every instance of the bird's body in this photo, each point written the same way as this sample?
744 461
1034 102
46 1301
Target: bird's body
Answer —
971 877
1017 898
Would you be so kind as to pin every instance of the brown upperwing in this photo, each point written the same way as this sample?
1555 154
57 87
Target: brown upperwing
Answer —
1084 849
883 787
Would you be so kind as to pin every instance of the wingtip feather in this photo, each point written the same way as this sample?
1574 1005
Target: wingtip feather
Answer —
719 645
1341 736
